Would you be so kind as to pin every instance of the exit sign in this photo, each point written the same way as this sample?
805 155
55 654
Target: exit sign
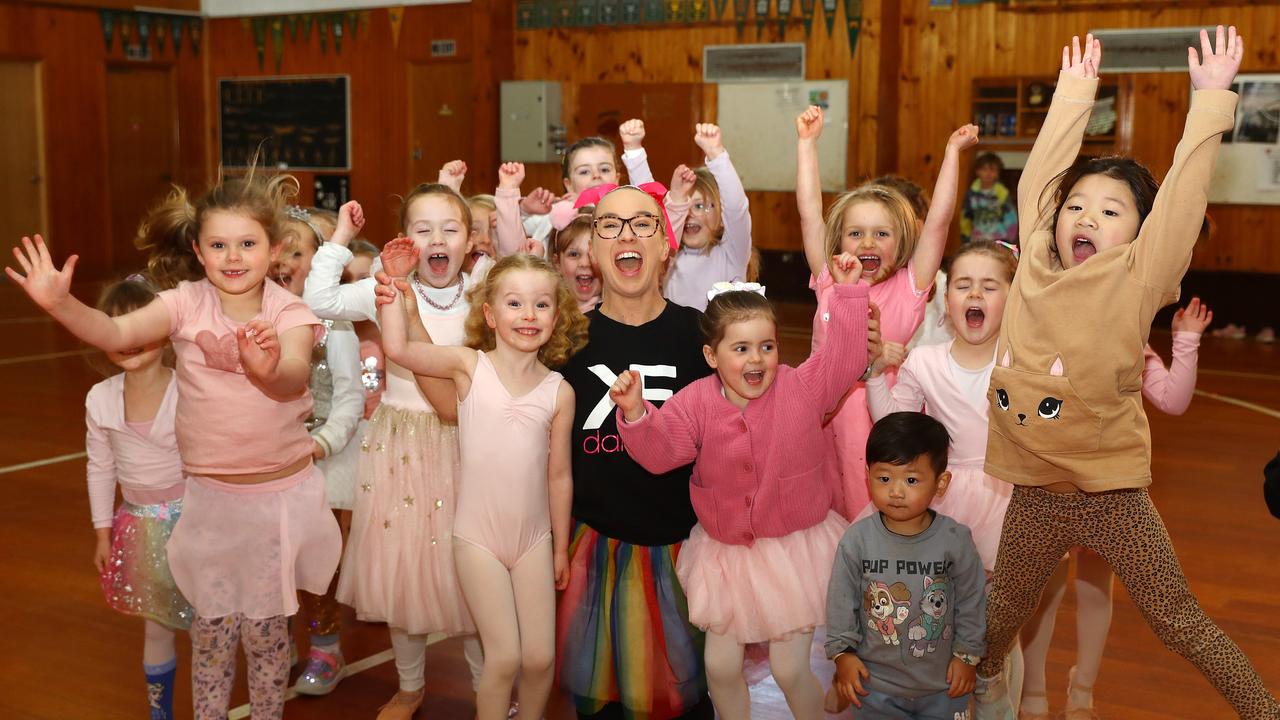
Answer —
444 48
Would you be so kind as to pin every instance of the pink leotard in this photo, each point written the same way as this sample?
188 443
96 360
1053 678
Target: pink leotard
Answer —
503 503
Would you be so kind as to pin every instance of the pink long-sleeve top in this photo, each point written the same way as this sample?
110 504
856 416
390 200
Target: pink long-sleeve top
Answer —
1170 390
766 470
147 466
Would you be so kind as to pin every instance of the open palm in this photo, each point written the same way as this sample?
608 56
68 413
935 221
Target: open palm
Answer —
1217 64
399 257
45 283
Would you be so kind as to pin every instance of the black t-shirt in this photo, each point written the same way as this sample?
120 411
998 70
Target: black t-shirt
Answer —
611 492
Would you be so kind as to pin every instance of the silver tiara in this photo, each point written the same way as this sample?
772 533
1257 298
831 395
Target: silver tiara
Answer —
303 215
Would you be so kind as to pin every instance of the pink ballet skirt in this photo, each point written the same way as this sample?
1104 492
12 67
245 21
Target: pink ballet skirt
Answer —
398 566
765 591
249 548
137 580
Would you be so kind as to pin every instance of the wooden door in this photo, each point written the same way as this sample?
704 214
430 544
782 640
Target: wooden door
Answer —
142 151
669 111
22 175
440 122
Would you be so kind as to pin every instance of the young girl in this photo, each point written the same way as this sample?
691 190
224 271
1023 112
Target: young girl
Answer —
255 527
399 565
484 227
571 255
949 382
715 239
876 224
1100 256
512 526
756 566
130 440
338 397
1170 390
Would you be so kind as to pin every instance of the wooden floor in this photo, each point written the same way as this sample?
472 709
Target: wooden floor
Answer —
65 655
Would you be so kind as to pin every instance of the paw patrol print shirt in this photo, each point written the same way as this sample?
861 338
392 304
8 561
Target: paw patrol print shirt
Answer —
904 604
1066 403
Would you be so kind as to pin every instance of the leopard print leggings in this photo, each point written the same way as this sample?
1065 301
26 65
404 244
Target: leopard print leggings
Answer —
266 647
1123 527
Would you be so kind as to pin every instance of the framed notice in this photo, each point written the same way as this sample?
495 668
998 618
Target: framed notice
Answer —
1248 167
300 123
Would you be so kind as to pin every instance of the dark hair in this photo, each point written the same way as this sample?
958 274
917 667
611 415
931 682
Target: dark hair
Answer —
914 194
583 144
119 298
902 437
363 248
731 307
1132 173
986 159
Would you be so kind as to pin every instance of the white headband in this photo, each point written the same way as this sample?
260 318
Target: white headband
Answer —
724 287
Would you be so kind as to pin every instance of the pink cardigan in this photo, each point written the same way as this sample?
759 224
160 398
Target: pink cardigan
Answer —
1171 390
765 471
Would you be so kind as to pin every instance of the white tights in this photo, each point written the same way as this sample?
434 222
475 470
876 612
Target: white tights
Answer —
514 610
789 663
411 658
1093 622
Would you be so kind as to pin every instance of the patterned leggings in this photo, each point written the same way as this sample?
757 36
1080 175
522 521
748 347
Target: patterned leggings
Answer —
1124 528
266 646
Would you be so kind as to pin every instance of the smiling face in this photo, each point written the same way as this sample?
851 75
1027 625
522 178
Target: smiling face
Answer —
435 225
1099 214
574 264
868 231
139 358
704 223
293 262
977 288
235 251
522 309
629 266
591 166
484 225
746 358
903 492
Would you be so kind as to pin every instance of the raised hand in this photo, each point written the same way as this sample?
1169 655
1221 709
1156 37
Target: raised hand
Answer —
846 269
43 282
707 136
510 175
537 202
1082 63
632 132
259 349
350 223
452 173
1217 65
809 123
1195 317
534 247
682 181
627 392
399 257
892 355
963 138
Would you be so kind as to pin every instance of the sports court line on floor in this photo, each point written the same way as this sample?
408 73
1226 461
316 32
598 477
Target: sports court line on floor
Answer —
41 463
1240 403
1241 374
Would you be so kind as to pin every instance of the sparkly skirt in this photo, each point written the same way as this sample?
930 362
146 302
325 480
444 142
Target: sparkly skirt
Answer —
623 633
765 591
398 566
249 548
137 580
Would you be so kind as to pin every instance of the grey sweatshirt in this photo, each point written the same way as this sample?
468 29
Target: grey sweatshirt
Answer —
903 604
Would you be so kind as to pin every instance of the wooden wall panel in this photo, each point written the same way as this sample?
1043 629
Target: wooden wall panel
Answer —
380 107
68 42
944 50
673 54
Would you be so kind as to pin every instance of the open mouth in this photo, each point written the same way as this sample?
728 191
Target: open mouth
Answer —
753 378
284 279
584 283
1082 248
477 254
692 227
628 262
974 317
234 273
870 264
438 263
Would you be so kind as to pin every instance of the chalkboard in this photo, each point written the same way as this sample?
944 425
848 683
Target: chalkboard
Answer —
304 121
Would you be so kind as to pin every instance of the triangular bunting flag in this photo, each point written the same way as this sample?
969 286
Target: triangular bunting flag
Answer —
338 31
277 41
829 14
144 28
806 12
162 31
762 14
175 29
784 12
740 15
721 6
396 16
260 40
108 19
195 27
853 15
291 22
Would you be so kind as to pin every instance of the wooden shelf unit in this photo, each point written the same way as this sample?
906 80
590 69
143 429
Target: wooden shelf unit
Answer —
1010 111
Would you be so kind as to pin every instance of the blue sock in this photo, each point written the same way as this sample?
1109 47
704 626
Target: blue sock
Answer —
160 688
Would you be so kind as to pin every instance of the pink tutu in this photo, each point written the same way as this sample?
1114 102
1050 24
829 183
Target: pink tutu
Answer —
249 548
398 566
761 592
137 580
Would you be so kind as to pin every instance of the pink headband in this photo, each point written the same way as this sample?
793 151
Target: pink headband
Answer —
655 190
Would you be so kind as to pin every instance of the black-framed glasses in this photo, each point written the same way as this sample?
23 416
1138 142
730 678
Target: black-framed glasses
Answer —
642 226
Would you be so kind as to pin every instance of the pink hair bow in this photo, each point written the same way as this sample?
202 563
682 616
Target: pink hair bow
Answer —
655 190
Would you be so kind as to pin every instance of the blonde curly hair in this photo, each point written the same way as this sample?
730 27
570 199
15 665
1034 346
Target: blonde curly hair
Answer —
570 333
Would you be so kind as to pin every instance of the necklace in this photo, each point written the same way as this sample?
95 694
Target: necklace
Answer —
442 308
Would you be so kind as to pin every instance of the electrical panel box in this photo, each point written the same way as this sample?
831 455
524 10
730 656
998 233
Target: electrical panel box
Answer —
531 127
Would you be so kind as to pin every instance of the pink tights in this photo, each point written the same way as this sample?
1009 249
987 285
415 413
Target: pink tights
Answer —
266 647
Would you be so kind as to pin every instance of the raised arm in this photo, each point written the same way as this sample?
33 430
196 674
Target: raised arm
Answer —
560 482
507 198
833 368
420 358
809 189
905 395
660 439
50 288
1058 142
634 156
937 224
679 200
734 211
452 174
1162 251
1171 389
